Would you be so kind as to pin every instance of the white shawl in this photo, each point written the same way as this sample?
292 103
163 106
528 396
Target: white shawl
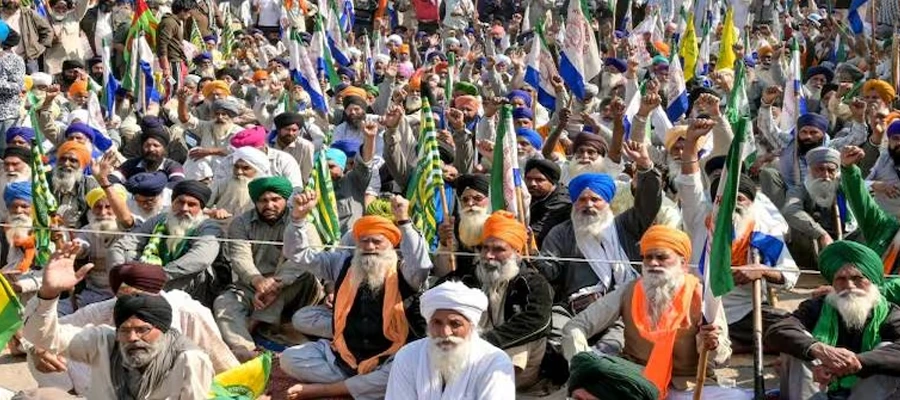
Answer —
488 375
602 248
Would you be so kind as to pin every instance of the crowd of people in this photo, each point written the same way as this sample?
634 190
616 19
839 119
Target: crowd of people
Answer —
187 224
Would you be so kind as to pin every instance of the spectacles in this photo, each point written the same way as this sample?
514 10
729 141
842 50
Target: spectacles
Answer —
140 331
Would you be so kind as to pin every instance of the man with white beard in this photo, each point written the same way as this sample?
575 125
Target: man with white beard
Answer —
212 137
374 314
230 196
190 261
69 184
662 314
816 78
17 196
528 144
817 212
519 298
16 168
846 344
453 362
278 163
149 195
462 233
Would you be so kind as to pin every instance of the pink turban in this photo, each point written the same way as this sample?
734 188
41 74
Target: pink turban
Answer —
253 137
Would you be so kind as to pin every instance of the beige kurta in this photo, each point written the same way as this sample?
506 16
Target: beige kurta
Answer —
69 44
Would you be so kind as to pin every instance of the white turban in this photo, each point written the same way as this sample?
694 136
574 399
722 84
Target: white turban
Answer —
383 58
197 170
591 89
253 156
454 296
80 115
395 40
41 79
502 59
193 80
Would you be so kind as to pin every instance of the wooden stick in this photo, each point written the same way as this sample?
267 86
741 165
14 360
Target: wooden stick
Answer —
837 221
446 209
759 383
520 203
701 373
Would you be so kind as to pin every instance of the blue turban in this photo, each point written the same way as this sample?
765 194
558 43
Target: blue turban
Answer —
337 156
21 131
814 120
283 61
349 146
520 94
749 61
4 31
820 70
149 184
347 71
82 128
17 191
892 130
523 113
601 184
204 56
532 136
616 63
210 38
620 34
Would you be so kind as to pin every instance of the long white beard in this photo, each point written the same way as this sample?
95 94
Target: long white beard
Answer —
576 168
106 223
740 218
822 192
14 176
494 274
65 181
471 225
814 94
674 169
234 196
220 131
20 226
179 226
591 223
854 305
660 285
371 268
449 356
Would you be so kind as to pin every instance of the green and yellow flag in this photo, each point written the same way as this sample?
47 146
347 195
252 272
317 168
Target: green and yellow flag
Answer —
44 206
428 178
325 216
247 381
10 312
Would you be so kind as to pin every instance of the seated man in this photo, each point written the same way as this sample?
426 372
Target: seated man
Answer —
189 255
267 287
154 142
375 313
595 376
149 195
662 312
142 357
69 184
550 203
20 237
453 362
189 317
230 196
462 233
848 340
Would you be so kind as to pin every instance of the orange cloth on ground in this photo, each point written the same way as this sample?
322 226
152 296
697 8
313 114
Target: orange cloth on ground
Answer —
80 150
27 246
661 236
373 224
503 225
394 326
659 366
78 87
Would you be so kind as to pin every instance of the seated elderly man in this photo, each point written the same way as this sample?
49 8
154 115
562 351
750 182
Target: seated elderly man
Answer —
662 313
19 235
550 203
230 196
453 362
375 313
462 233
190 254
845 344
188 317
154 154
211 138
278 162
141 357
595 376
69 184
267 286
149 195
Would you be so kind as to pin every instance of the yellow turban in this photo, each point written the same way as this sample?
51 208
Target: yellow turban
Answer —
350 91
78 87
375 225
884 89
664 237
503 225
80 150
765 51
29 82
98 194
675 133
210 86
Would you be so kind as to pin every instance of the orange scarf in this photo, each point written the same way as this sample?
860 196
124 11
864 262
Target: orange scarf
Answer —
659 366
27 245
394 326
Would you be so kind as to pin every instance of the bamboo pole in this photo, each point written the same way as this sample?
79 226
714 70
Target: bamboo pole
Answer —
701 373
759 383
446 209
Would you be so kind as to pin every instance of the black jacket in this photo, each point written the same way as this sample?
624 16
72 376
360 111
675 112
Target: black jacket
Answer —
549 212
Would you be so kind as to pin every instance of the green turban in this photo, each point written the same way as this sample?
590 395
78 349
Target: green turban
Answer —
609 377
381 208
466 88
841 253
371 89
275 184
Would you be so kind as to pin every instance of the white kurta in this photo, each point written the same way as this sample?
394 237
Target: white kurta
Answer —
489 375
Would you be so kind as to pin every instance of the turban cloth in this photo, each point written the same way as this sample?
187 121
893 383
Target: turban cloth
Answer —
466 87
98 193
454 296
855 74
353 91
253 156
591 89
354 96
29 83
78 87
287 119
664 237
405 70
765 51
41 79
616 63
17 191
503 225
72 64
153 128
714 164
382 58
746 186
467 102
675 133
194 189
822 154
590 140
447 152
275 184
838 254
23 132
147 277
209 38
227 105
20 153
337 156
820 70
520 94
531 136
346 71
546 167
349 146
371 89
523 113
476 182
375 225
609 377
154 310
211 86
404 48
662 47
892 130
192 80
283 61
253 137
601 184
80 150
82 128
814 120
260 75
4 31
205 56
149 184
660 60
884 89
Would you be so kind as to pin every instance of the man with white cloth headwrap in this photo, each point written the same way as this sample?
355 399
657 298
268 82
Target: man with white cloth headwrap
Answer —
453 362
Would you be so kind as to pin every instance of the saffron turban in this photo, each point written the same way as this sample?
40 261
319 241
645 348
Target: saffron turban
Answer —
823 154
96 194
503 225
884 89
375 225
454 296
520 94
211 86
80 150
467 102
337 156
154 310
79 87
253 137
609 377
602 185
193 189
838 254
664 237
253 156
531 136
23 132
275 184
765 51
354 91
17 191
147 277
260 75
662 47
814 120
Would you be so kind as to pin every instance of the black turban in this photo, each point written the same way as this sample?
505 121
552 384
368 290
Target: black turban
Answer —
448 153
546 167
714 164
608 377
478 182
154 310
72 64
746 186
20 153
154 128
194 189
287 119
147 277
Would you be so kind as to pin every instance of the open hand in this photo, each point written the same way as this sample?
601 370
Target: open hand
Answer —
60 274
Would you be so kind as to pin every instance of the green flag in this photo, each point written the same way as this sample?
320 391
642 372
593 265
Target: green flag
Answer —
427 179
325 216
44 205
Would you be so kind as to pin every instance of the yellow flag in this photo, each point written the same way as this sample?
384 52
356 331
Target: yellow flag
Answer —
726 52
690 51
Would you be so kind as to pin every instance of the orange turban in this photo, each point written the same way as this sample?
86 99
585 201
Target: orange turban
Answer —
210 86
260 75
765 51
662 47
503 225
404 48
664 237
467 102
884 89
354 91
78 87
375 225
441 67
80 150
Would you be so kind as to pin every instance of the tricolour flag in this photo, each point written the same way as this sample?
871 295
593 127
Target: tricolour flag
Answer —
727 57
505 174
321 52
690 50
143 26
325 216
580 58
44 204
303 72
10 312
539 68
427 179
677 91
856 22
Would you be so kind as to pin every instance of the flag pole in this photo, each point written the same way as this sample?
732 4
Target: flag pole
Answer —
701 373
446 209
759 383
520 203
